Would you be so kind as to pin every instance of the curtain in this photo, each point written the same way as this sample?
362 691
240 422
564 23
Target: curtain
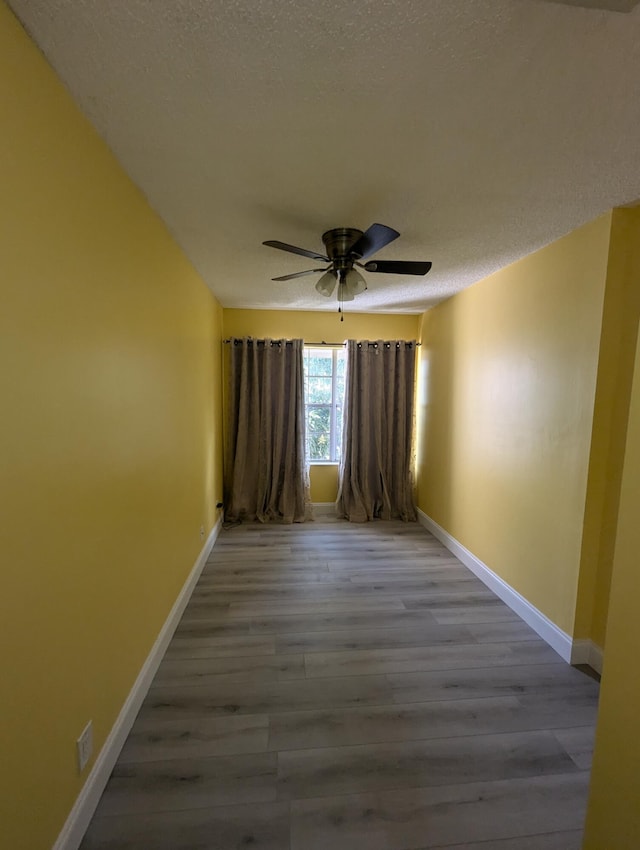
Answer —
377 439
266 476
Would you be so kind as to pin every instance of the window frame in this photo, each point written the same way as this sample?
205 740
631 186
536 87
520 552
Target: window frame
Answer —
333 405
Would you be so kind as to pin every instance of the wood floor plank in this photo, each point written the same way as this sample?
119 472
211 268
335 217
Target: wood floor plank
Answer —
578 706
275 570
176 784
419 764
422 720
245 579
547 679
373 563
213 671
196 737
456 599
362 539
195 641
428 635
247 553
326 593
258 826
174 701
287 623
302 606
578 742
376 661
543 841
510 630
476 614
429 817
359 574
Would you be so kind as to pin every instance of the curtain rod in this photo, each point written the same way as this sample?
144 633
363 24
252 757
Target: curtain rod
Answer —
336 344
317 344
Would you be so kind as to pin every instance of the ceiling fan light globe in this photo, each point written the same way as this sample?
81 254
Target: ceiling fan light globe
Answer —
327 284
344 294
355 283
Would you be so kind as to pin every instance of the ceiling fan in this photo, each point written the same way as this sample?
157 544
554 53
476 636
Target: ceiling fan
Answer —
345 247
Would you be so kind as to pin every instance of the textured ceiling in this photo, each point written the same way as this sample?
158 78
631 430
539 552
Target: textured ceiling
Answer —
480 129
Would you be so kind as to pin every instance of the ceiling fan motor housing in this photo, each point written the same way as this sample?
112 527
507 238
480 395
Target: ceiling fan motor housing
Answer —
338 242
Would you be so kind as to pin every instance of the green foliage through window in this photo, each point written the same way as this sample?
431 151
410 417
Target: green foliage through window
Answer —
324 373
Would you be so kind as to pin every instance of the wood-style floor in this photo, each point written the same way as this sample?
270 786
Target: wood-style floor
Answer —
351 687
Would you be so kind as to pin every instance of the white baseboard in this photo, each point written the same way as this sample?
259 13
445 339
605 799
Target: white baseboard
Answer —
585 651
324 508
596 657
548 631
88 799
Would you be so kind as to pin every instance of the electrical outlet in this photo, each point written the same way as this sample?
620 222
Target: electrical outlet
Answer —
84 746
202 532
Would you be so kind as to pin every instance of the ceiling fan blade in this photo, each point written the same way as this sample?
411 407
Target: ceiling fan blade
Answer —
397 267
282 246
299 274
372 240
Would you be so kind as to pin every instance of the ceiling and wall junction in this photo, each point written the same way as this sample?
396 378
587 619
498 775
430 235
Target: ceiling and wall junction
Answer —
480 129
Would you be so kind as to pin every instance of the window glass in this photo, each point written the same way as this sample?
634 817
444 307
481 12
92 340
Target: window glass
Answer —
324 371
319 390
319 363
319 419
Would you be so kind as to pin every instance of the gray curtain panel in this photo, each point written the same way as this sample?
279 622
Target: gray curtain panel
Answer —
376 479
266 477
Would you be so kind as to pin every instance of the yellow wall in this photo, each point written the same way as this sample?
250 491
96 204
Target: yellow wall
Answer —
613 816
324 482
615 372
319 327
110 436
506 395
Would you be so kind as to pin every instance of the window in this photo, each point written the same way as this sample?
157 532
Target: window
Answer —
324 394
